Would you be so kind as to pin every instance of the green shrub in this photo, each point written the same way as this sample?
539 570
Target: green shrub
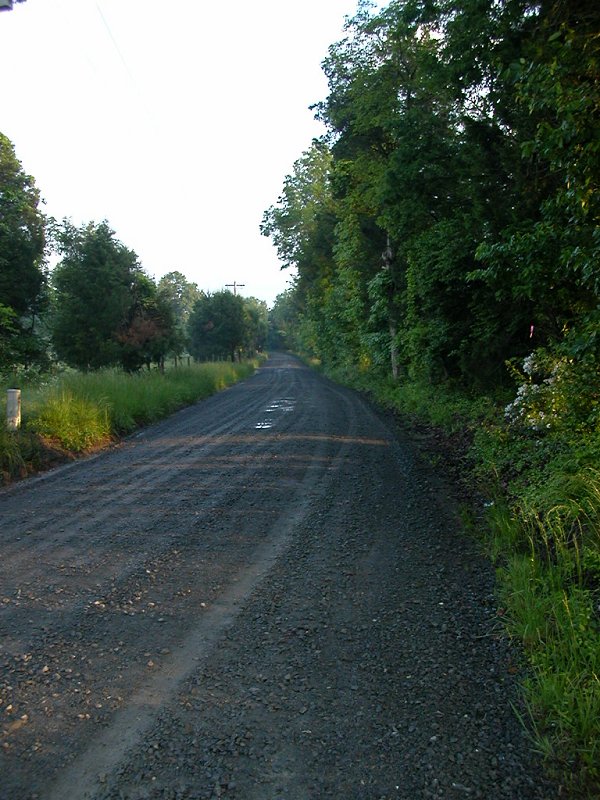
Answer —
558 626
75 423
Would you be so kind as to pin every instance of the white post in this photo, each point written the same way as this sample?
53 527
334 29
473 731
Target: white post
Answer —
13 409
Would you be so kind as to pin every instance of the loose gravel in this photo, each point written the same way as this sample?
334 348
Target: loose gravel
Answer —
264 597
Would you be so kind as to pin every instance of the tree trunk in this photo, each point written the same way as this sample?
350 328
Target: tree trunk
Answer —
394 350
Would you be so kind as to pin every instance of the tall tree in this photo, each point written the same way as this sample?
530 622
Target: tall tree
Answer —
256 323
22 271
106 308
217 326
181 296
149 332
549 253
302 226
301 223
466 131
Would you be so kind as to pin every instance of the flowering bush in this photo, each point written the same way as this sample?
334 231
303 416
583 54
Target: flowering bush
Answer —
542 396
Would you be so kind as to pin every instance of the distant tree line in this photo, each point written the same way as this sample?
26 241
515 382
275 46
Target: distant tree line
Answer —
466 134
98 307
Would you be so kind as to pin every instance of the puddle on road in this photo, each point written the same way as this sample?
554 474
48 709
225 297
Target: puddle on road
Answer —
283 406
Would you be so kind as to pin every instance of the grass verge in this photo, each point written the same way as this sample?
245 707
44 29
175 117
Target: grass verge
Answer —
75 413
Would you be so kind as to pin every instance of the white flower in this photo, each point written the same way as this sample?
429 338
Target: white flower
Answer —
529 364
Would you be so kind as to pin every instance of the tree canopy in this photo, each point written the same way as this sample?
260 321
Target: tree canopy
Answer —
22 267
107 311
180 295
466 135
223 324
217 326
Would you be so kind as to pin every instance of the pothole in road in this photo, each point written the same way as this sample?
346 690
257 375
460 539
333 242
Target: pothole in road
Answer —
282 406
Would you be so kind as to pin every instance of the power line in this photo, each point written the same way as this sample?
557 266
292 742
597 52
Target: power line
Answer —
134 84
114 41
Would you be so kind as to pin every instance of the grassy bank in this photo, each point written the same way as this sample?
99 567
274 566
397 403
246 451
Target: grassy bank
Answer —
73 413
537 507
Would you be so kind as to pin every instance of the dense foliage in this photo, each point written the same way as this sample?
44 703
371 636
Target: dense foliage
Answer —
107 311
22 273
223 324
467 134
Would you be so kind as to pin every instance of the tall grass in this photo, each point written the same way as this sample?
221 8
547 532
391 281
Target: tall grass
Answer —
78 412
11 459
145 397
73 421
549 581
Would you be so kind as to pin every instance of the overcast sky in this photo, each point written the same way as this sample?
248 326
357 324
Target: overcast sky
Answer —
175 121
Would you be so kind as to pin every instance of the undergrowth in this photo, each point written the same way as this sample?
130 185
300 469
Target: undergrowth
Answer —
536 461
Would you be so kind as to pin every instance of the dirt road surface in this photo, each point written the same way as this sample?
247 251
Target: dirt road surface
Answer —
263 597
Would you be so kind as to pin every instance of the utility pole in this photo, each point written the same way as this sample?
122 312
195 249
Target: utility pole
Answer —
235 286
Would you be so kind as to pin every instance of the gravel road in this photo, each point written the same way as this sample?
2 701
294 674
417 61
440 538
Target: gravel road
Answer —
263 597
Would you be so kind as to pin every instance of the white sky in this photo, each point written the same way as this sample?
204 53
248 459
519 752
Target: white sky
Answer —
175 121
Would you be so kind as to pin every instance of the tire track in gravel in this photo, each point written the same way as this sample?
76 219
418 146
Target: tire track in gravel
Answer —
124 472
106 501
130 725
366 665
47 637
